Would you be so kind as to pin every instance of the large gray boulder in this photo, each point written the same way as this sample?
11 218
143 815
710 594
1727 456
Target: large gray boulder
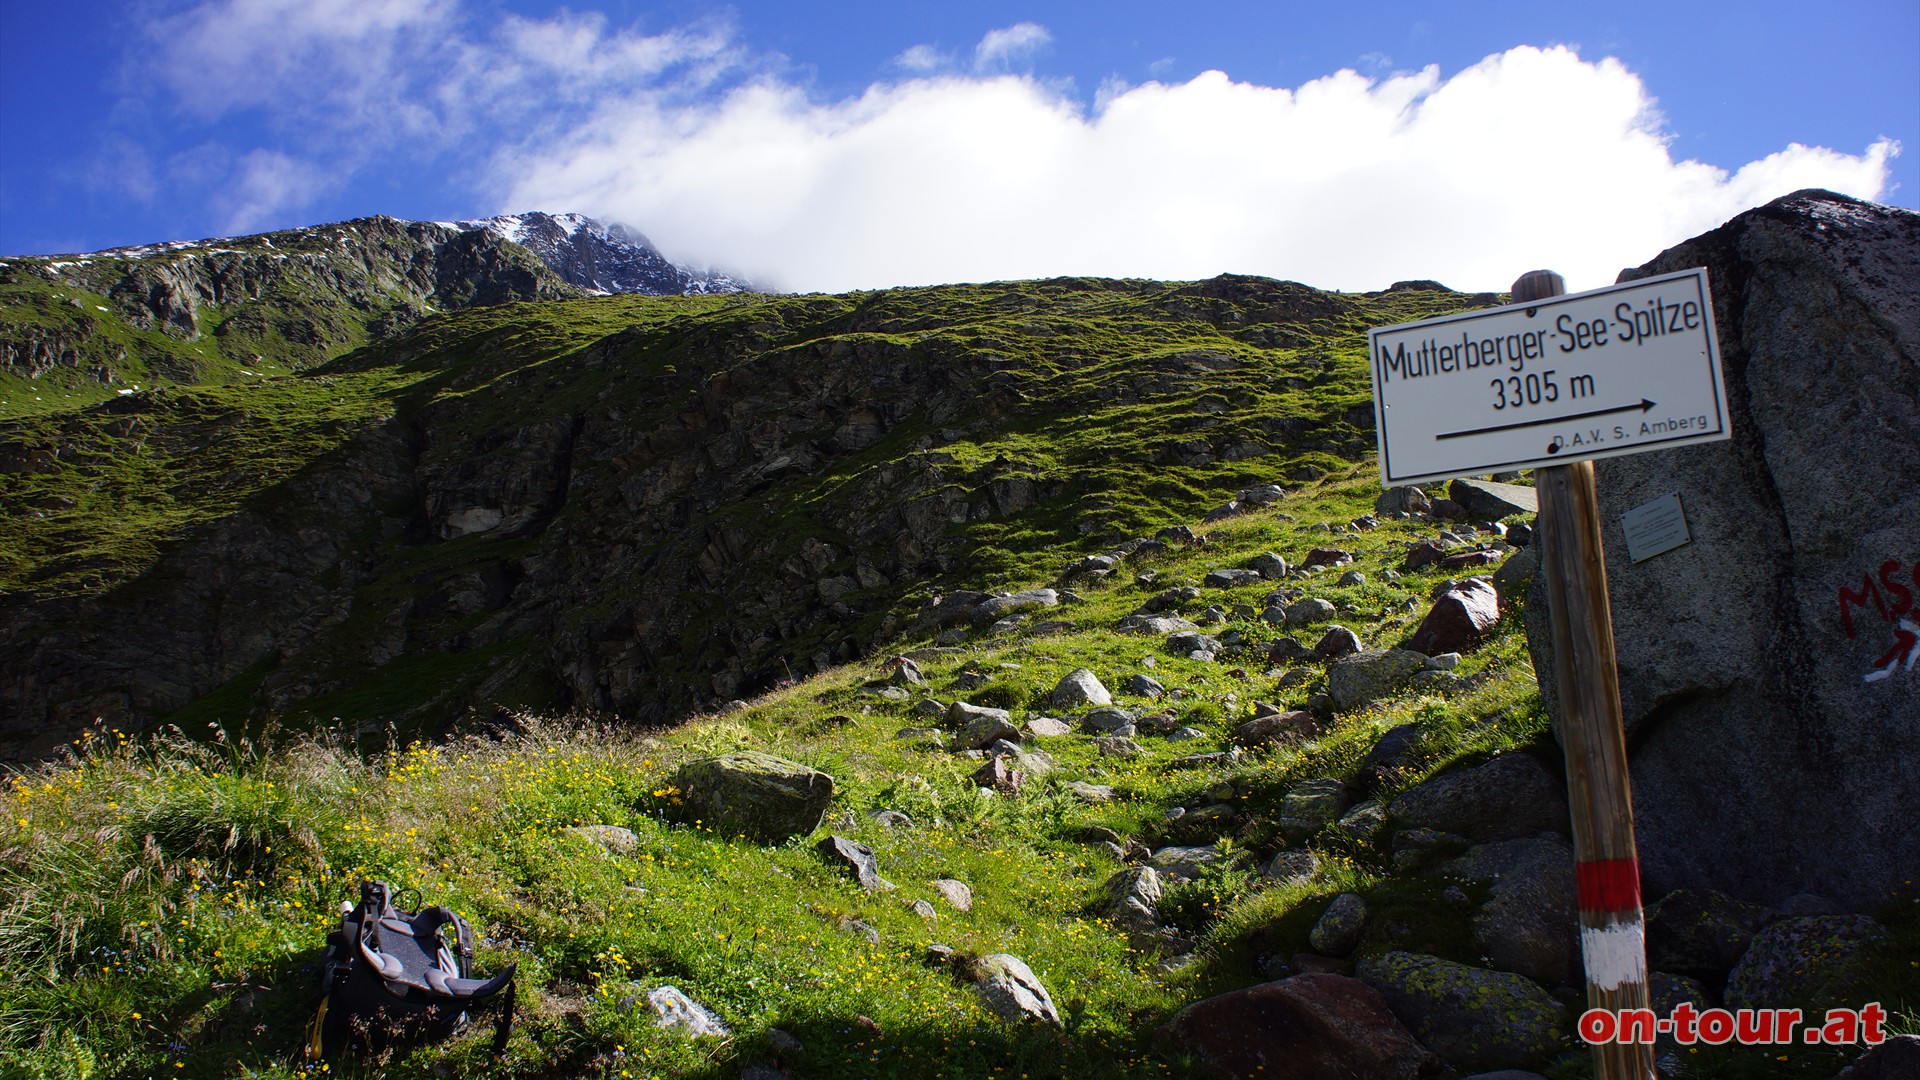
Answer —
1511 796
1766 654
1311 1027
756 795
1474 1018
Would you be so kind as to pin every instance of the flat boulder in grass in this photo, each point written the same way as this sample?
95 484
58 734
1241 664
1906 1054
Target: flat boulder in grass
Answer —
1509 797
1485 500
1231 578
1309 1027
1401 500
756 795
1474 1018
1366 677
993 609
1460 618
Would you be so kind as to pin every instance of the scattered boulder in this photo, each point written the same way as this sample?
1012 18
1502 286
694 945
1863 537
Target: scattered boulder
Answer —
986 727
1896 1059
1401 500
1117 746
1460 618
1520 535
1183 863
1447 510
1188 642
1807 962
1090 793
1292 867
1700 932
1132 900
1515 575
1470 560
1283 727
997 776
995 608
856 859
1529 923
1391 756
1338 641
1047 726
1308 611
1364 822
1145 686
1326 557
1424 553
756 795
1474 1018
1110 721
1230 579
1339 927
1260 495
1269 566
1155 624
614 838
676 1012
1287 649
955 893
1511 796
1312 804
1368 676
1011 991
1488 501
1080 687
1309 1027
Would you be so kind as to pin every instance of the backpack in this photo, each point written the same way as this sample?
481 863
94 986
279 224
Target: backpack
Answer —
393 975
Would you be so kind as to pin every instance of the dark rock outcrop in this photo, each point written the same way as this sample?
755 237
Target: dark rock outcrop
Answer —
1309 1027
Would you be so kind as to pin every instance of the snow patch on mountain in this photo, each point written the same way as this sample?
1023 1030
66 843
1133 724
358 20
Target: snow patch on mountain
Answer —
602 257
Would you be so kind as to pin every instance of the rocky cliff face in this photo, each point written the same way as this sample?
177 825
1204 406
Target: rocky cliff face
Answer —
185 312
1768 669
639 507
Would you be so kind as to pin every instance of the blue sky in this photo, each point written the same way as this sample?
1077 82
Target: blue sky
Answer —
842 145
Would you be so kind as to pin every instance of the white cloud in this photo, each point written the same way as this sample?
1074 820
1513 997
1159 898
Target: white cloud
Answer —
921 59
1530 158
1533 157
1001 49
269 183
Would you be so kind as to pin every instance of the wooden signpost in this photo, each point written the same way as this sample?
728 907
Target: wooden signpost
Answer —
1553 381
1593 737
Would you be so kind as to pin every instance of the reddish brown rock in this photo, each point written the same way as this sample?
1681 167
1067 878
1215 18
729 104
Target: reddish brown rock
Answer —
1327 557
1460 617
1277 728
1316 1026
1467 560
1425 553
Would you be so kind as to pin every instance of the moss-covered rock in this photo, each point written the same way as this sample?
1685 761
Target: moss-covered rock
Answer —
1475 1018
756 795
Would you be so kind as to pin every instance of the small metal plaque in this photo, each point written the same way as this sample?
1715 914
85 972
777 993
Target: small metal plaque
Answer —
1655 528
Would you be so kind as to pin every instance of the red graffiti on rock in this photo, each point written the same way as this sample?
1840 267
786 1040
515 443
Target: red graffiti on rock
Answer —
1889 594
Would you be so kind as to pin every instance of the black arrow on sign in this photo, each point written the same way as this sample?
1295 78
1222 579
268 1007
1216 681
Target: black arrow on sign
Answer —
1643 406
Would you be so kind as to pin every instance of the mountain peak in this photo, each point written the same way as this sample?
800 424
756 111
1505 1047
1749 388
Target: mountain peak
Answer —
604 257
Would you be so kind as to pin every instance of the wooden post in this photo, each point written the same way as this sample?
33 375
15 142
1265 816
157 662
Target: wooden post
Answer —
1607 869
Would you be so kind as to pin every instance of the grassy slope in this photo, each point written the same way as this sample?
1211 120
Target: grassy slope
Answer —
232 861
164 897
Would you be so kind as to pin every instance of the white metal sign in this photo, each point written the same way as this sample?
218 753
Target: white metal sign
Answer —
1613 371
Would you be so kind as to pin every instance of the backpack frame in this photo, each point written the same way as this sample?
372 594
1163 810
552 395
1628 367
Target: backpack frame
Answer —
393 976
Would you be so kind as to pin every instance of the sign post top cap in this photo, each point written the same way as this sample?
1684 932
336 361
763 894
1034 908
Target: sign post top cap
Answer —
1538 285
